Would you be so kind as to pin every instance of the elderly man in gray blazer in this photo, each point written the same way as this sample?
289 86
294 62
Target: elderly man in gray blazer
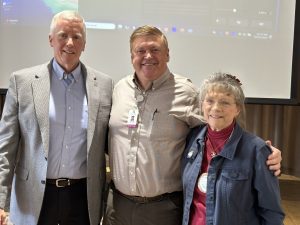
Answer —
53 135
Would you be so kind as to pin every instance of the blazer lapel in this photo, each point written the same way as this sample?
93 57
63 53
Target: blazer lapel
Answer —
93 103
41 93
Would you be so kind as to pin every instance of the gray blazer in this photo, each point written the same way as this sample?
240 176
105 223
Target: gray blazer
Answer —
24 142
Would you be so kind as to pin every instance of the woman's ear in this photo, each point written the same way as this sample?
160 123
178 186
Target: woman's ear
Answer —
238 110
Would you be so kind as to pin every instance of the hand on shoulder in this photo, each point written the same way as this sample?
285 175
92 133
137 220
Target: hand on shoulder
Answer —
274 159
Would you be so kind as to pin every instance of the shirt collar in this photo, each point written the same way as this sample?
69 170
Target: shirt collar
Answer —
59 71
156 83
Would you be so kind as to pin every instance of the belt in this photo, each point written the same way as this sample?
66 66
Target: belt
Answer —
64 182
139 199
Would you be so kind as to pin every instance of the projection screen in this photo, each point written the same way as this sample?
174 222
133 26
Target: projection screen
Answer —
252 39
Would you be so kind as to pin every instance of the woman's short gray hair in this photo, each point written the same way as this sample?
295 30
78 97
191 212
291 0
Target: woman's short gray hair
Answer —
226 83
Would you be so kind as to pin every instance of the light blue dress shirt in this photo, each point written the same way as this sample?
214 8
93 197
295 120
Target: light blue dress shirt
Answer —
68 115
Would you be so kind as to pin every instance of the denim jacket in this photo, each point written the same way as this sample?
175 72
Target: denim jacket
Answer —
241 190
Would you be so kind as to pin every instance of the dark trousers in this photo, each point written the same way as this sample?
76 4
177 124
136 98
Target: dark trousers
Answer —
123 211
65 206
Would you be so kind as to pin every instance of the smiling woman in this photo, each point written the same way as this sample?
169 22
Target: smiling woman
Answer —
222 102
219 109
222 159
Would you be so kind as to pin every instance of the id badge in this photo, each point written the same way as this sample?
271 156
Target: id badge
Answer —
132 120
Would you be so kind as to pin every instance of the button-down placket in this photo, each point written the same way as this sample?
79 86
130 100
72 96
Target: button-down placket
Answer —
134 141
67 139
213 170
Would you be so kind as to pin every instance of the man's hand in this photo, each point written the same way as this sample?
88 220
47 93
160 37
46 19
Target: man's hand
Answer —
274 159
3 217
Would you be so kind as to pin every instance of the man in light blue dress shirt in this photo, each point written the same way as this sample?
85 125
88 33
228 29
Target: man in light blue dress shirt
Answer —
53 135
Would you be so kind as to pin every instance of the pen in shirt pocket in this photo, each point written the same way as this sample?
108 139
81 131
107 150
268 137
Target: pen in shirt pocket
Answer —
153 115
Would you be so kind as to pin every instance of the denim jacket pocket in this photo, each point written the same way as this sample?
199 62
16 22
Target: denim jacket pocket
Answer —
235 174
235 187
235 195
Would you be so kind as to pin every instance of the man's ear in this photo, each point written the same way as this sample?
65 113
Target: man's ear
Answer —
168 56
84 46
131 56
50 40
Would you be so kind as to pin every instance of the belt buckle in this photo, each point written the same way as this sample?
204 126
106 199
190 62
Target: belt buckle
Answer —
62 179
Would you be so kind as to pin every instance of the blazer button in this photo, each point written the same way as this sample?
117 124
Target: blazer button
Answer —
43 181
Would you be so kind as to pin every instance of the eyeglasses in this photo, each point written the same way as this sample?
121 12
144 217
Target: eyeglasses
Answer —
221 103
